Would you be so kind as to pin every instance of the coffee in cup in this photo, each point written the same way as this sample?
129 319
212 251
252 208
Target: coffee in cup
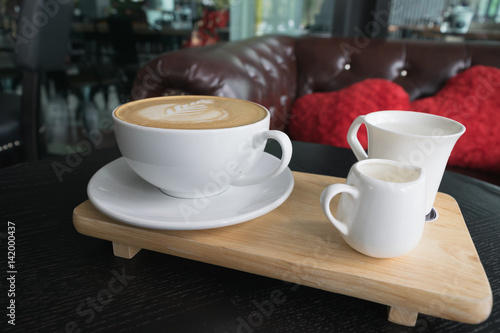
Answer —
196 146
187 113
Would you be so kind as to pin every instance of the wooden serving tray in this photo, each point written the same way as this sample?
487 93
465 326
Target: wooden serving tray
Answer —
441 277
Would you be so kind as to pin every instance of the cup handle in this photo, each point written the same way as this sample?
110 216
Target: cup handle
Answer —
352 138
327 196
286 156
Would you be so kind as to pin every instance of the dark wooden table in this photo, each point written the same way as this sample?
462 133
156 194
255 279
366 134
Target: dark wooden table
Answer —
67 282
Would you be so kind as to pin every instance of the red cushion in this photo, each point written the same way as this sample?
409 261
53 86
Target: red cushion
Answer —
472 98
326 117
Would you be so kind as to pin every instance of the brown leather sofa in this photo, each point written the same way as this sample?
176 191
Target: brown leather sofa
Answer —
275 70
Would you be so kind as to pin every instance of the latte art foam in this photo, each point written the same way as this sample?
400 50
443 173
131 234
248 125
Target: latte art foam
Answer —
191 112
194 112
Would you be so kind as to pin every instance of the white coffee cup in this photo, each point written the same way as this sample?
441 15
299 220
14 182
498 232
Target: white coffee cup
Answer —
414 138
197 163
381 211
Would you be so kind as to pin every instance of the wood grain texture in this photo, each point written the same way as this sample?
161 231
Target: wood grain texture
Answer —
402 316
442 277
125 251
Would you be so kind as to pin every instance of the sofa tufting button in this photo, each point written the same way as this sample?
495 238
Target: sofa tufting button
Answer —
347 67
403 72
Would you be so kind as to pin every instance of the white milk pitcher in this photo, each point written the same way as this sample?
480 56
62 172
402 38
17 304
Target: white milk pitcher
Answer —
381 211
415 138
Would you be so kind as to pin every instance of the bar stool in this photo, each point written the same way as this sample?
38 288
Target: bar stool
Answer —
40 45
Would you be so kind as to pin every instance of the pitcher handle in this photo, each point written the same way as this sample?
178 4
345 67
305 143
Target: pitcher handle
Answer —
352 139
326 197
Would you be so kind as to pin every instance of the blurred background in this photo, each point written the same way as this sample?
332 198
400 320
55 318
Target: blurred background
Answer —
106 41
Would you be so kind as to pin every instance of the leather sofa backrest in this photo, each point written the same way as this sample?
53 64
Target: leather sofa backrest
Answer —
275 70
262 70
420 67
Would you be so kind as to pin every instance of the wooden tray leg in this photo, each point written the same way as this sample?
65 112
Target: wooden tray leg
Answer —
125 251
402 316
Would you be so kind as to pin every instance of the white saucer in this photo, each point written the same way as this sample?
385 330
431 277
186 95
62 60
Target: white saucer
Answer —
119 193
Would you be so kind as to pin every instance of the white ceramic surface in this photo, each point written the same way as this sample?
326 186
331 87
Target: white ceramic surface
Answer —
120 193
196 163
461 18
381 211
414 138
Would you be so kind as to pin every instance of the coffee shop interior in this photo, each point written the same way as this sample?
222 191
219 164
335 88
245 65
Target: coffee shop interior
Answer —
58 94
100 249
